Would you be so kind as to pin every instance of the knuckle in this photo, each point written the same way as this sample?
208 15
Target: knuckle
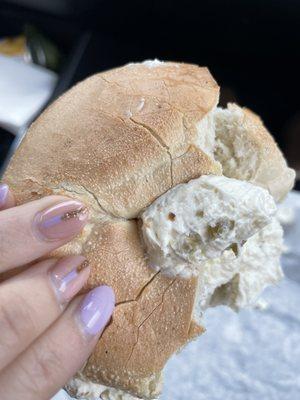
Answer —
9 327
8 234
11 230
6 247
38 373
43 369
16 321
30 381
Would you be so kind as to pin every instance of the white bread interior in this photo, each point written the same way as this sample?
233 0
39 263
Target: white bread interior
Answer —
198 221
248 152
118 141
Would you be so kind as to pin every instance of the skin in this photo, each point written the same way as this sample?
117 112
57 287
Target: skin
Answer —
46 333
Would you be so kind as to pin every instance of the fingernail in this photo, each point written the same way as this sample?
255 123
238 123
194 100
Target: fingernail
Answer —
96 310
68 276
61 221
3 194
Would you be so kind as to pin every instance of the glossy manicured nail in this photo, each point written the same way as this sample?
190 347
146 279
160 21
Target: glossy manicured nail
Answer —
3 194
96 310
61 221
68 276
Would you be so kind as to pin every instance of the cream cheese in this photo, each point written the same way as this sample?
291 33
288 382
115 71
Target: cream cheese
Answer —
198 221
238 282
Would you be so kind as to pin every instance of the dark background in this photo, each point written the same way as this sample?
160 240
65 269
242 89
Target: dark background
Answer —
251 47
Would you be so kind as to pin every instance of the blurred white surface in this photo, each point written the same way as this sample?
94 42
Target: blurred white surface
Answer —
253 355
24 89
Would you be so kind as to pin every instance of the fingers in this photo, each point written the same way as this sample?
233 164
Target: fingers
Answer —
32 300
31 230
58 354
6 197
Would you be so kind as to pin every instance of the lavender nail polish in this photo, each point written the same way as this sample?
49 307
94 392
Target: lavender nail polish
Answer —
61 221
3 194
68 276
96 309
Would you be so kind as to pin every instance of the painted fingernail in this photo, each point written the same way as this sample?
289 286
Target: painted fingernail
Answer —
68 276
96 310
61 221
3 194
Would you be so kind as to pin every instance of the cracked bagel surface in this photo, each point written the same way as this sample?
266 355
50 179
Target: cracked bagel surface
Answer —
96 143
118 141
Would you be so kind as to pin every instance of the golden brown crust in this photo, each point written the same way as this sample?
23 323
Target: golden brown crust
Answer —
117 141
114 246
143 335
116 132
188 165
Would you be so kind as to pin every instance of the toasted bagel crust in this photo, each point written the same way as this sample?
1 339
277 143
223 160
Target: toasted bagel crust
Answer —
117 141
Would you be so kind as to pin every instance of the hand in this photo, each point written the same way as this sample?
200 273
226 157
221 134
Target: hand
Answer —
45 336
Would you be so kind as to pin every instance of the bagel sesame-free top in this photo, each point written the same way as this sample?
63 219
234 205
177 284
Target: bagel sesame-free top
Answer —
118 141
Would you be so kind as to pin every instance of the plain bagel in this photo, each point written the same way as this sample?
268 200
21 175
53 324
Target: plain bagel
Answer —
118 141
